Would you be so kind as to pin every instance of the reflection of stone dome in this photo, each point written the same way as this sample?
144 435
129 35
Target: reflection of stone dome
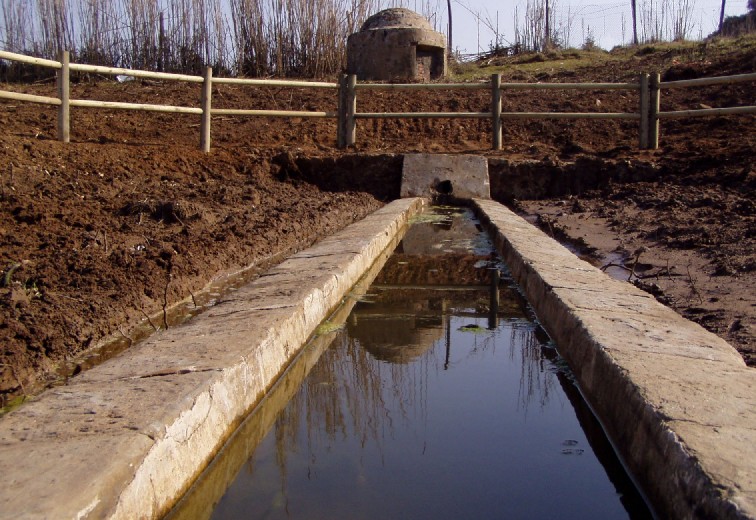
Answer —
396 18
396 340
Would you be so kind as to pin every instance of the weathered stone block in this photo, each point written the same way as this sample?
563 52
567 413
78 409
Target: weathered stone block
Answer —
457 176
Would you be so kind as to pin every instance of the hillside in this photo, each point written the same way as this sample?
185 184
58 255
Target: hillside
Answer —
108 232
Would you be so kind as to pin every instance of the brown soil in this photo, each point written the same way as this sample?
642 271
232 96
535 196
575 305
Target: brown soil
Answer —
130 218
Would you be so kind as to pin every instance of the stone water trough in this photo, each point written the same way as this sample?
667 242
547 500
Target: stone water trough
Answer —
127 438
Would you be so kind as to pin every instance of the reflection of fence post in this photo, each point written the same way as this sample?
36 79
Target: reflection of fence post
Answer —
494 303
644 112
350 129
653 118
496 110
207 93
64 94
341 126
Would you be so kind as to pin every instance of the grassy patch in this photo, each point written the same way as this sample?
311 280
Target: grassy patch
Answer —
531 63
12 404
528 67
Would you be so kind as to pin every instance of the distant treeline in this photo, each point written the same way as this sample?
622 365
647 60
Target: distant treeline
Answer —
305 38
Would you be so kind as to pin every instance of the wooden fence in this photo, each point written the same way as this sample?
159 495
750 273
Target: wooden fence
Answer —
648 87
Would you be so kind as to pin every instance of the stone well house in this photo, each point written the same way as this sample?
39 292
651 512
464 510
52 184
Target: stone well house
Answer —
397 44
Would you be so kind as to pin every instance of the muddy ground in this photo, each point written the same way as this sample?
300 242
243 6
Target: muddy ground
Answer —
109 231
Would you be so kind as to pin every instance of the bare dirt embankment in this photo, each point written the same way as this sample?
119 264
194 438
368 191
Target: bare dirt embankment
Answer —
130 218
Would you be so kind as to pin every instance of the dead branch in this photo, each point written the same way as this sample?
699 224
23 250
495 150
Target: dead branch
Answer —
614 264
165 301
18 379
693 288
149 320
131 341
638 252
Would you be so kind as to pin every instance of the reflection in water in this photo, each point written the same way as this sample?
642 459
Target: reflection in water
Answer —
421 409
368 438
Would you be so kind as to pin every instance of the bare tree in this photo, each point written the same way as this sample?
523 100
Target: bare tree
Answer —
681 13
17 24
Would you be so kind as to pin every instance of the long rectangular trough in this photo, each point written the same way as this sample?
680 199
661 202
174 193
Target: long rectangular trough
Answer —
678 402
127 438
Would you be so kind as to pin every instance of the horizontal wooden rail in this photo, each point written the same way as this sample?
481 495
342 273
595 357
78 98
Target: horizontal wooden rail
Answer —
707 112
86 103
504 115
135 73
44 100
656 115
270 113
422 86
702 82
487 86
422 115
274 83
5 55
569 115
570 86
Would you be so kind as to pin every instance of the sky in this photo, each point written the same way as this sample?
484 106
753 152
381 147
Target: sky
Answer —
609 21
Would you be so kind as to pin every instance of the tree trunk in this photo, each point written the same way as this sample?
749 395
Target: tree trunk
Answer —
547 35
721 16
633 6
449 42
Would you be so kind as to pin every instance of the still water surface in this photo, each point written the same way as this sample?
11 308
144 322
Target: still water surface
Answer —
434 402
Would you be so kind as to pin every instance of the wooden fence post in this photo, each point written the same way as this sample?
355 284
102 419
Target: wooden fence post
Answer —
207 94
644 112
350 128
341 125
653 118
64 94
496 110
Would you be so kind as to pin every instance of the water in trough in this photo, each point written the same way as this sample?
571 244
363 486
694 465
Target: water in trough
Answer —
439 397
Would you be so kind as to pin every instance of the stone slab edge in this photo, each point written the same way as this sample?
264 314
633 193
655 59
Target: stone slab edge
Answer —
209 488
127 438
677 401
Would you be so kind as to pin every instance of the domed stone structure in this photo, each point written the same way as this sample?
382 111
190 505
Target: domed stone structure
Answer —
397 44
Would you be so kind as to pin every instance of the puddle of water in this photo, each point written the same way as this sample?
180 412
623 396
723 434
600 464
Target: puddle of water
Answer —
613 263
439 398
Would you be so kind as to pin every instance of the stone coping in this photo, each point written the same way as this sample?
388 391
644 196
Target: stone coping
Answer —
128 437
677 401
